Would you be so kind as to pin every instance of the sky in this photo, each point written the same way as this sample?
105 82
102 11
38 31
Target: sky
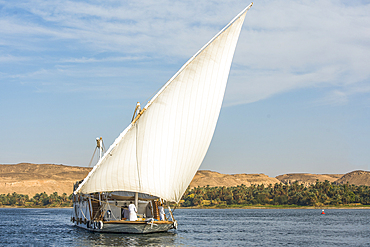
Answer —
297 99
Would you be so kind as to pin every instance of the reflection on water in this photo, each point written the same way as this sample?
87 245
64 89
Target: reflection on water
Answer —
114 239
197 227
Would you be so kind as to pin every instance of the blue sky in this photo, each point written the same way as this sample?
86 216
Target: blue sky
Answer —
297 99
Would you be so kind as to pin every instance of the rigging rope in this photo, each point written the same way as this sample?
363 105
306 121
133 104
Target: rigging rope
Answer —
92 157
82 212
111 209
97 147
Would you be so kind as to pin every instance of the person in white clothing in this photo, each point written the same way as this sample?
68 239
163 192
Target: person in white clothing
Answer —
161 212
133 212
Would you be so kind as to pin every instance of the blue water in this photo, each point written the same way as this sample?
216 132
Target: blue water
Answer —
197 227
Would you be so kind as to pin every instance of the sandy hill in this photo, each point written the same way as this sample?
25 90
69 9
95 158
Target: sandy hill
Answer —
356 178
30 179
307 178
213 179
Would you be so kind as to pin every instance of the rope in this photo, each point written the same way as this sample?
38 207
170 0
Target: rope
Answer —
151 223
174 208
92 157
103 146
111 209
82 213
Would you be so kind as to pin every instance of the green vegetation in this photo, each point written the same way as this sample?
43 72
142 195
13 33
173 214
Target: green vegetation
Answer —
278 195
275 196
41 200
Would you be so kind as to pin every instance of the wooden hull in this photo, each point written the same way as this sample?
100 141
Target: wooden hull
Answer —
138 227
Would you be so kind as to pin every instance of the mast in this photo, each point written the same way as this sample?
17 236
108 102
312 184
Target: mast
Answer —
99 145
136 200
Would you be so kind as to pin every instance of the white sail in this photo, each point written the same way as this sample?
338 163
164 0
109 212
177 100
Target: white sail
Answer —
161 150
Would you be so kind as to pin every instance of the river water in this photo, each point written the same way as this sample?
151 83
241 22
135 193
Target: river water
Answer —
197 227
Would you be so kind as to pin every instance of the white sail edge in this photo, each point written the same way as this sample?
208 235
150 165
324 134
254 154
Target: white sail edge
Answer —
195 55
121 136
118 139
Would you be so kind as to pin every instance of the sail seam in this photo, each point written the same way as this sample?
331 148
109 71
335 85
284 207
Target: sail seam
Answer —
137 159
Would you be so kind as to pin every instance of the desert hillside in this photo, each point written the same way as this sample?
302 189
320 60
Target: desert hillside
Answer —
30 179
307 178
213 179
355 177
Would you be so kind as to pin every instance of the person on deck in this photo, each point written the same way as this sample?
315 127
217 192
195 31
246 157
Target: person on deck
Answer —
126 213
161 212
133 212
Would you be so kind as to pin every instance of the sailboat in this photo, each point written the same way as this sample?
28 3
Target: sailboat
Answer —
154 159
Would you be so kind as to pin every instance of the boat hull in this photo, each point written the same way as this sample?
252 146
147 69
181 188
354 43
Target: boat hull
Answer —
128 227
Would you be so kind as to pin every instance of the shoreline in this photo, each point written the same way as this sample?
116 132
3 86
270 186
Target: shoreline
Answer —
236 207
281 207
31 207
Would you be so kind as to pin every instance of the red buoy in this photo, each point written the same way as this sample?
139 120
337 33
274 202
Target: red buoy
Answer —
322 212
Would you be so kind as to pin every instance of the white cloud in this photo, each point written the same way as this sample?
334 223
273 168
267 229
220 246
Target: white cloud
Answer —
95 60
34 74
11 59
295 45
337 97
135 27
284 45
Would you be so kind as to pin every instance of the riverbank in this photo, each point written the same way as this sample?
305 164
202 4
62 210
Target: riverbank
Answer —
5 206
279 207
241 207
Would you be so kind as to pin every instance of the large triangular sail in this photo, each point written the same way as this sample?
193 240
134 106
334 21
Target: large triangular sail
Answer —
161 150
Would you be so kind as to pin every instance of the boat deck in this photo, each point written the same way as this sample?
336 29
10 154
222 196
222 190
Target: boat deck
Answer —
137 222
